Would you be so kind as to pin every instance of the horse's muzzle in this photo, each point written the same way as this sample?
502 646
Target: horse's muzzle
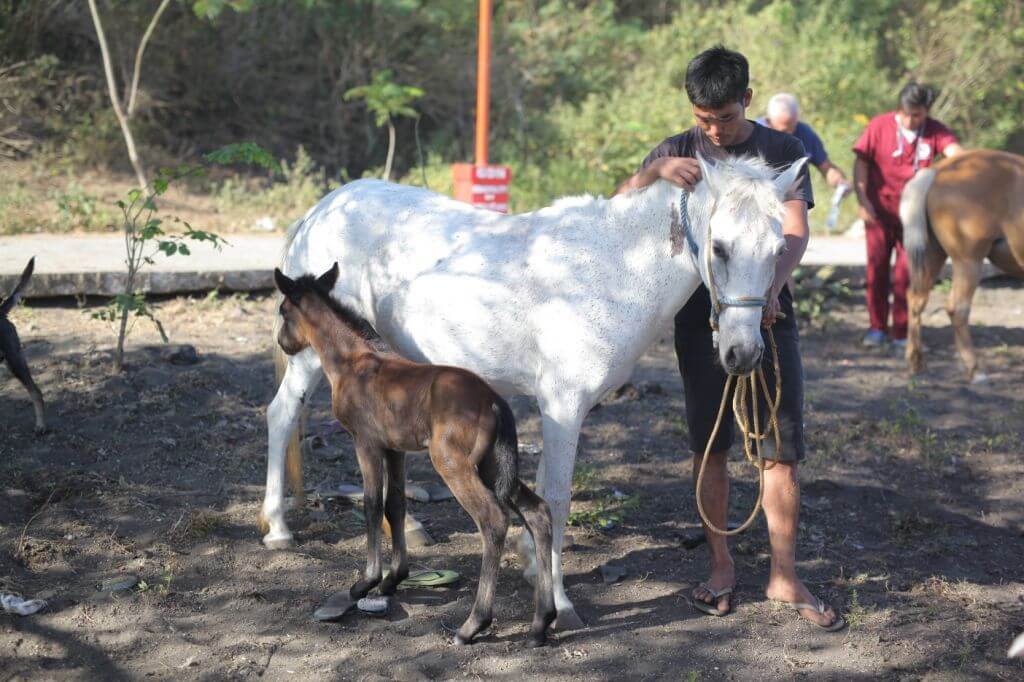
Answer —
741 358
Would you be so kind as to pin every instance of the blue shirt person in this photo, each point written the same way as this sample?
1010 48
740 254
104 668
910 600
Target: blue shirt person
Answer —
784 115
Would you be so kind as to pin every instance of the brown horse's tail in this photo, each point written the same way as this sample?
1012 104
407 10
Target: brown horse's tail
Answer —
914 216
293 456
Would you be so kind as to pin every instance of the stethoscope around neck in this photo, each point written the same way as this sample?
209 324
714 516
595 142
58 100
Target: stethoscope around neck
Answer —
898 153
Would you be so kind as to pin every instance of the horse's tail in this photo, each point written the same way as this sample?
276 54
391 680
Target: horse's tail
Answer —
506 454
914 216
8 303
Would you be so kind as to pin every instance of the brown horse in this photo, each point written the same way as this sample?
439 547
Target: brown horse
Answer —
391 405
967 207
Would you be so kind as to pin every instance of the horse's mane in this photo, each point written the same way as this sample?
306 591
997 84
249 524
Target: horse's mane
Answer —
358 324
749 181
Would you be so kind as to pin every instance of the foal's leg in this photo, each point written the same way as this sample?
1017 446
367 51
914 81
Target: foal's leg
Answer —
536 516
492 521
922 279
966 273
300 379
371 464
394 510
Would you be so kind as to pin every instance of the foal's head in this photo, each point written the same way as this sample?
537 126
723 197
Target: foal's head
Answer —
308 305
740 250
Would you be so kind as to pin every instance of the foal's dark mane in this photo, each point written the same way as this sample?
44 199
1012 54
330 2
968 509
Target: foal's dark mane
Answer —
358 324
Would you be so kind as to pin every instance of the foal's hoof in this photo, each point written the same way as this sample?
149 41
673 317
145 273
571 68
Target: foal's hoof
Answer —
980 378
279 542
42 430
536 641
568 620
462 641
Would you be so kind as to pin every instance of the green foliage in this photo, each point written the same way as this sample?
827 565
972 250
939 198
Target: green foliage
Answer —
145 238
817 295
581 89
284 197
385 98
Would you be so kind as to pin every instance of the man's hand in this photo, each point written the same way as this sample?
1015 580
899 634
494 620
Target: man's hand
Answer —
681 171
834 177
771 309
866 212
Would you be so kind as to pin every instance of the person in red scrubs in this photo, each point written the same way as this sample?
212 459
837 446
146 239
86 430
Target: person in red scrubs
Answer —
893 147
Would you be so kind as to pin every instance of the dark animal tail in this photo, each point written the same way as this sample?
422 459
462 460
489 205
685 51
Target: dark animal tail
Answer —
12 300
914 216
506 454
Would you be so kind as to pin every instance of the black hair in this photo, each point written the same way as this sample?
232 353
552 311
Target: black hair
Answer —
717 77
914 94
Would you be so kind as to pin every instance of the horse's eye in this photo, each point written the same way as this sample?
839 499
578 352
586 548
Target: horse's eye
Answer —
720 251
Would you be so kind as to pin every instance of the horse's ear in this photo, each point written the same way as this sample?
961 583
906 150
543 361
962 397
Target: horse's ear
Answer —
707 171
788 177
327 280
284 284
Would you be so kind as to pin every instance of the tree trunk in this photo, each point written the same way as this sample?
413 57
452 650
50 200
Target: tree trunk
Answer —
115 100
391 149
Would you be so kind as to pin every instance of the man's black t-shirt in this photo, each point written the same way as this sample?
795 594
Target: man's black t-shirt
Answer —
779 150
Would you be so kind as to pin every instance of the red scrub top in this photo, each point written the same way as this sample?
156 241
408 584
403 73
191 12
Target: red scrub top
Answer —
892 164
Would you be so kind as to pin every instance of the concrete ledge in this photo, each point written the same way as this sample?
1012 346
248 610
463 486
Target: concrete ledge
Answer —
93 265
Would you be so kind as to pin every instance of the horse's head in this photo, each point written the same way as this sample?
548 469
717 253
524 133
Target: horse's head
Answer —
739 250
294 334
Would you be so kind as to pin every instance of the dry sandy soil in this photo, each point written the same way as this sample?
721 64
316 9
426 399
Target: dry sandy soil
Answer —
912 521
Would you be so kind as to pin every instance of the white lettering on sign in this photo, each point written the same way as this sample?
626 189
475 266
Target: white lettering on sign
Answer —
490 173
490 189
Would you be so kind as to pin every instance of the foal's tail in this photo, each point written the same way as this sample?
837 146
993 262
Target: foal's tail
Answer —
8 303
506 454
914 216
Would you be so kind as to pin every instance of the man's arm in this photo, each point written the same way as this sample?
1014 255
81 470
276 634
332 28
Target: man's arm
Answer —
796 232
834 175
860 186
681 171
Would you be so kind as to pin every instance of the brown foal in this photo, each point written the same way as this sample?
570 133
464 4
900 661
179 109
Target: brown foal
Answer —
390 406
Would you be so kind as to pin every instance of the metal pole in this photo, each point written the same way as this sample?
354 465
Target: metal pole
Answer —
483 82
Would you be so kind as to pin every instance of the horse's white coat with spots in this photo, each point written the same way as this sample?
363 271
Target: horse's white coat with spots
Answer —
557 304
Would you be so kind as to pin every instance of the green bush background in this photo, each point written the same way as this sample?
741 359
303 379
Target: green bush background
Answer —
581 90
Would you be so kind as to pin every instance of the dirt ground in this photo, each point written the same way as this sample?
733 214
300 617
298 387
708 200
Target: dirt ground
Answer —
912 521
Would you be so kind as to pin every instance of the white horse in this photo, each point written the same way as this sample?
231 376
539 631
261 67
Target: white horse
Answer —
557 304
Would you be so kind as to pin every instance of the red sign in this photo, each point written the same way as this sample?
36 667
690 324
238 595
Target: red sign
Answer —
483 186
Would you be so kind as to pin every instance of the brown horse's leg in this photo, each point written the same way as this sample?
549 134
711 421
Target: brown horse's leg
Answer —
966 273
537 517
492 521
922 279
1003 258
371 464
394 511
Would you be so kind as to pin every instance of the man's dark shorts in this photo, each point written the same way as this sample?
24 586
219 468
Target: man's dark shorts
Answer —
704 380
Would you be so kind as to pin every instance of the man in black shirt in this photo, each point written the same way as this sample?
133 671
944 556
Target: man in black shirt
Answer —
717 86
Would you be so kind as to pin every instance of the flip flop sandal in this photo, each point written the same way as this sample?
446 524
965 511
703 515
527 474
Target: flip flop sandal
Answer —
432 578
712 609
336 606
819 608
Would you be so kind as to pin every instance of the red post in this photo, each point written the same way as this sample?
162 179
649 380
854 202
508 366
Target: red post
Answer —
479 183
483 82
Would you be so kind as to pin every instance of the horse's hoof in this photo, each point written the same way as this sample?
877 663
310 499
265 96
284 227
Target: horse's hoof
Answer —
279 542
41 430
568 620
462 641
536 641
980 378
